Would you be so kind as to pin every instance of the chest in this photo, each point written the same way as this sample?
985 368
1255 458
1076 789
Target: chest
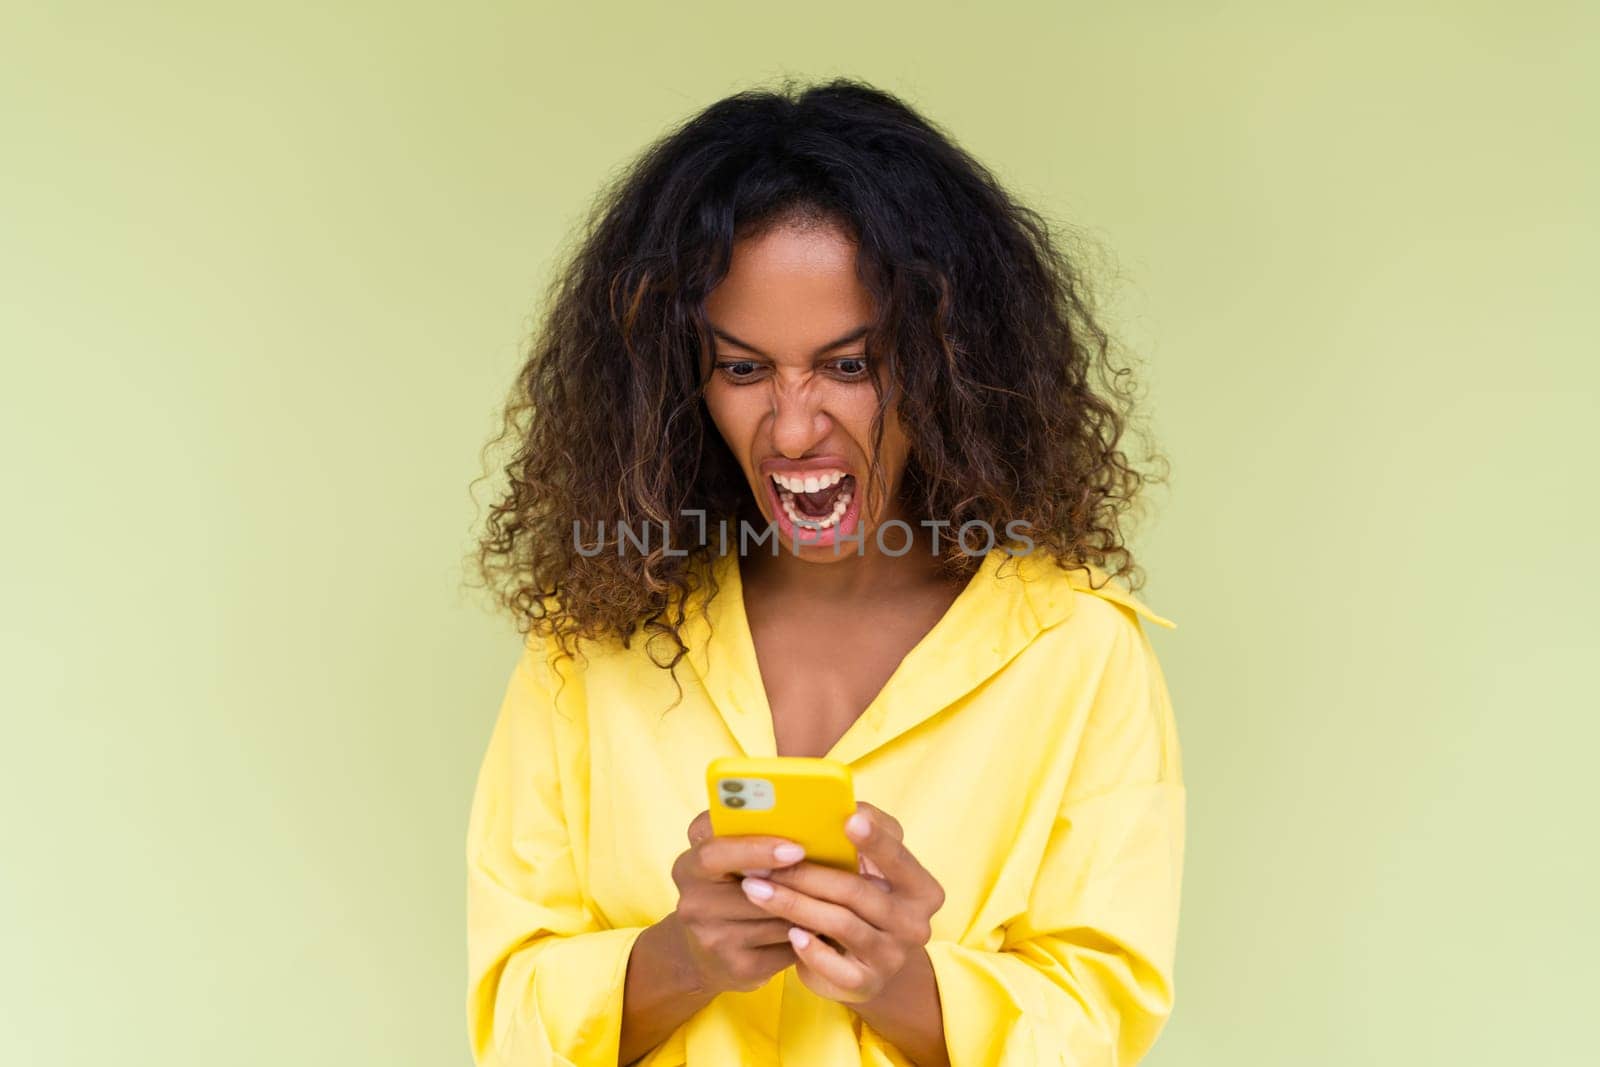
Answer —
821 671
970 785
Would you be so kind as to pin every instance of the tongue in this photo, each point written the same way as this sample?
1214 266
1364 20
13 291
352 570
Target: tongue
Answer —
819 503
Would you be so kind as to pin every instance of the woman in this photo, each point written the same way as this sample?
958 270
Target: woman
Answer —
809 313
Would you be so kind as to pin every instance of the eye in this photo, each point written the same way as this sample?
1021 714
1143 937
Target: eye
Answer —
739 371
851 367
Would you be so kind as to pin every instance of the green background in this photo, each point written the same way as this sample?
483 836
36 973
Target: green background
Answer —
268 269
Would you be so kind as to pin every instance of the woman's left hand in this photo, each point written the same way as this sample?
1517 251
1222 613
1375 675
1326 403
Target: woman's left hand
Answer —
878 918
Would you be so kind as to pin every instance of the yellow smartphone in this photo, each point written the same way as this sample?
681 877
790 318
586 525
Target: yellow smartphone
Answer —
802 798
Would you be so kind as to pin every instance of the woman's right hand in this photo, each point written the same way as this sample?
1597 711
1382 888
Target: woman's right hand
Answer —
732 944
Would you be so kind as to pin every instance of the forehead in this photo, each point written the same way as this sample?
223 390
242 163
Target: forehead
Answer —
791 290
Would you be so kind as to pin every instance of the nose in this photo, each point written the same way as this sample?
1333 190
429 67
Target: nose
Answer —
798 422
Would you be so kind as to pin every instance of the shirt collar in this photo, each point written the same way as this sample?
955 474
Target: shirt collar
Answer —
1005 605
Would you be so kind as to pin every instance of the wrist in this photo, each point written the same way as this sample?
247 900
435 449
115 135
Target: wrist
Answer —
685 974
904 995
909 1012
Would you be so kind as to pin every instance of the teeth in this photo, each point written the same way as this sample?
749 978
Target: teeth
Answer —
840 506
809 483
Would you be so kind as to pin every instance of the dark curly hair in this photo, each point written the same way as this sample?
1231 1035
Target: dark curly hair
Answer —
1012 405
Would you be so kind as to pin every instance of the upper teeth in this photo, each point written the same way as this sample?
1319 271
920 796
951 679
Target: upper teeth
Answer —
810 483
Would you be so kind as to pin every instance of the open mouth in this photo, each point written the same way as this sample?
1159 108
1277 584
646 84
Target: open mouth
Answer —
818 501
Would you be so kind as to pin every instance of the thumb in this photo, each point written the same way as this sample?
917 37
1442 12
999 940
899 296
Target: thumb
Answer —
870 870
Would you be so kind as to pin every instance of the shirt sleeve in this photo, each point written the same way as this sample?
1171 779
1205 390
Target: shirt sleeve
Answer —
1085 976
545 977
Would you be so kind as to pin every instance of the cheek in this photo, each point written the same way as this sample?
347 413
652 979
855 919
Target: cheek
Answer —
735 413
896 450
895 442
895 447
854 409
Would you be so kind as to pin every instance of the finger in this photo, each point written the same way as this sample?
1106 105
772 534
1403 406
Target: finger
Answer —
838 969
775 958
763 961
711 903
819 916
765 931
756 932
724 857
732 904
894 861
883 819
861 895
700 827
869 870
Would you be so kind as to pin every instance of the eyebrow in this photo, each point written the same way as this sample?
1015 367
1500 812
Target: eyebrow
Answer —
854 335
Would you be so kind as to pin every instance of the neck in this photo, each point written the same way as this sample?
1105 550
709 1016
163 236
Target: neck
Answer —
852 576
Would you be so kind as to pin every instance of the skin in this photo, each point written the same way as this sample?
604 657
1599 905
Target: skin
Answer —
745 912
773 389
729 934
777 393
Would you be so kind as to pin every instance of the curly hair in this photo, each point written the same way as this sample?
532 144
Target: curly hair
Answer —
1004 381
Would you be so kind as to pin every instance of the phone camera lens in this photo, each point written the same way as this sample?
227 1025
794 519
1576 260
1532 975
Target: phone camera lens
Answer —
734 802
733 785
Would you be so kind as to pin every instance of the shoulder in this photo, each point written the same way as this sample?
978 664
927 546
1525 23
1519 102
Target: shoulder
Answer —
1082 595
581 675
1091 640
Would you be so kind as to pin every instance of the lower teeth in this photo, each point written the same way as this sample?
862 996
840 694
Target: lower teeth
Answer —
824 522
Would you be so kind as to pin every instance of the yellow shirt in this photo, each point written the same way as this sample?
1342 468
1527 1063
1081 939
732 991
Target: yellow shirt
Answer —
1027 746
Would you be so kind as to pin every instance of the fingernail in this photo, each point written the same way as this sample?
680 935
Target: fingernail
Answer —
798 937
858 825
788 853
757 889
